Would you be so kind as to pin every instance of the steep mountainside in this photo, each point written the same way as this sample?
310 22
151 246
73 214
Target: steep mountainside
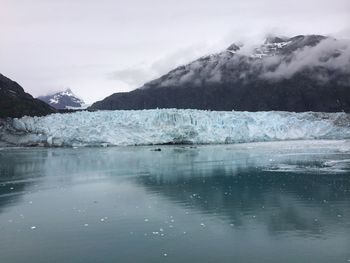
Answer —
14 102
303 73
63 100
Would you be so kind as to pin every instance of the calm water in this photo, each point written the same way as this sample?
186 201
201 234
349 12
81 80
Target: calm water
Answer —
267 202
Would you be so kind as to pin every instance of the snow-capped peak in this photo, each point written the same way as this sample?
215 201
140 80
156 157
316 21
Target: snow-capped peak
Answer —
277 45
269 49
68 92
234 48
275 39
63 100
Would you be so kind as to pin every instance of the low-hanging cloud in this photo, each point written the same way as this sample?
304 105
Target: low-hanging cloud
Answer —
241 65
138 75
330 54
131 76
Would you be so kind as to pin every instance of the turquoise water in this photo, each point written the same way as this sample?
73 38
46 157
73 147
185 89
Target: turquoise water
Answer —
264 202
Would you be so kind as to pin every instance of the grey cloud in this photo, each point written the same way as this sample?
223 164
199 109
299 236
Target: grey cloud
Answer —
136 76
329 53
131 76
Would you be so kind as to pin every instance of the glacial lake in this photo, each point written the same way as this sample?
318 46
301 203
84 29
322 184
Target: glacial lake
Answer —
257 202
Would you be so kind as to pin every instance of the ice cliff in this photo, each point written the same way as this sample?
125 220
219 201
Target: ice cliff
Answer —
171 126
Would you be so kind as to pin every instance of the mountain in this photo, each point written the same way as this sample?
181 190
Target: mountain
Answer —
302 73
15 102
63 100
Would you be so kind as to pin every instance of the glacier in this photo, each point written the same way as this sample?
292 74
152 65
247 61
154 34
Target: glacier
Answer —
171 126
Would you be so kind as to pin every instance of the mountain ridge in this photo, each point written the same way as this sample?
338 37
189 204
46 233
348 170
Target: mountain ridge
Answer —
286 74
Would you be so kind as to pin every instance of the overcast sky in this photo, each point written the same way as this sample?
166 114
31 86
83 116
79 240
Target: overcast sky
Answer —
98 47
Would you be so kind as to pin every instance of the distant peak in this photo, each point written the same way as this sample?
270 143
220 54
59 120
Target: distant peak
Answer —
234 47
308 40
275 39
309 37
68 90
63 99
305 39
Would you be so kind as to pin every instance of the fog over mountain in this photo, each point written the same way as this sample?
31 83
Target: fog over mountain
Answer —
278 58
330 54
302 73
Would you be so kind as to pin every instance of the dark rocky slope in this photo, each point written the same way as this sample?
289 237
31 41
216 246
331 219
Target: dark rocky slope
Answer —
15 102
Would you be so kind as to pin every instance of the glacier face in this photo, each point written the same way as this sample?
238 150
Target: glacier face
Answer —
162 126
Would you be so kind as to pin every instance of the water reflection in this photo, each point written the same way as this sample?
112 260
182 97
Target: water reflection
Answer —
231 181
192 203
283 202
19 170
